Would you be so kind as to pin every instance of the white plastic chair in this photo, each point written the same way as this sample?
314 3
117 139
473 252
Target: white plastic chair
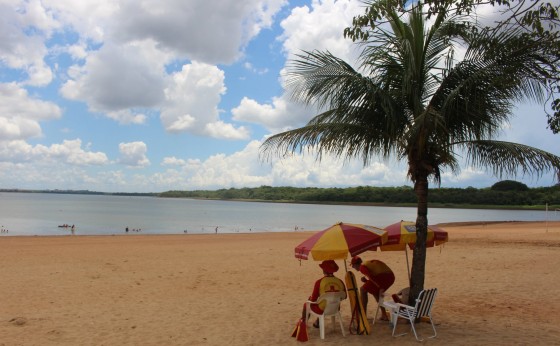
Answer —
332 309
422 308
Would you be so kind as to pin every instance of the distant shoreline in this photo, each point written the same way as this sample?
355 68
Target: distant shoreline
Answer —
482 223
357 204
396 205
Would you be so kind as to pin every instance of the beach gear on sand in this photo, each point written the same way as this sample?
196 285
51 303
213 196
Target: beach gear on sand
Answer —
359 323
300 331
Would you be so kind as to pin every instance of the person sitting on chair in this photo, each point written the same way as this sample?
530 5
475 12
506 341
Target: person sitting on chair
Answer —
378 278
328 283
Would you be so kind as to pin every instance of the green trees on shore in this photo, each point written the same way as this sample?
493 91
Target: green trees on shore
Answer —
402 195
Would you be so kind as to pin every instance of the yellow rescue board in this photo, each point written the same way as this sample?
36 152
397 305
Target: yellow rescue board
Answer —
359 319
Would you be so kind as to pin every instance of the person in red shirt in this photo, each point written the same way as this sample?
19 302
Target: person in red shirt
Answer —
378 278
328 283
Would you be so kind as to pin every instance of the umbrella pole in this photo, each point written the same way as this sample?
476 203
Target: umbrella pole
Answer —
407 265
345 268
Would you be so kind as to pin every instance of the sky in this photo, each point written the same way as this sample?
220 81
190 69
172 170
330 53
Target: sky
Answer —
152 95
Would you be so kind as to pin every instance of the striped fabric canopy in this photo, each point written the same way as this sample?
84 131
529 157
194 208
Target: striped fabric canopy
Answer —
339 241
403 233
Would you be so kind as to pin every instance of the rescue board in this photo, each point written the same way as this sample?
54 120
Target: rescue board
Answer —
359 322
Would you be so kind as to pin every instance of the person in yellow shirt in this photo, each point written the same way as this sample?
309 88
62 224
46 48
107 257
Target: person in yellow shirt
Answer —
328 283
378 278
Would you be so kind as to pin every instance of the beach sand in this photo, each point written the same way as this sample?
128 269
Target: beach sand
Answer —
499 284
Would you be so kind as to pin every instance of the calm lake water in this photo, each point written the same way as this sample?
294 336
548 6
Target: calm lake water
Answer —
41 213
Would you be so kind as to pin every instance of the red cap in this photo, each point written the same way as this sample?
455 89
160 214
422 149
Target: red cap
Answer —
356 260
329 266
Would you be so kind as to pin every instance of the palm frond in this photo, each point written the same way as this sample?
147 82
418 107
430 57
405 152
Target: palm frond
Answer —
321 79
337 139
499 69
507 159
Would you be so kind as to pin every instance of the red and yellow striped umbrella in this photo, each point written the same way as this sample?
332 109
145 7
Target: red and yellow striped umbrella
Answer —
403 233
339 241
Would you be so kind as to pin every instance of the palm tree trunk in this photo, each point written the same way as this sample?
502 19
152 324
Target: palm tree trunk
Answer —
419 254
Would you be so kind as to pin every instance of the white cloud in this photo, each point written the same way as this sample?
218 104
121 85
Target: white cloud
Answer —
133 154
305 170
115 179
468 176
219 129
69 152
20 114
244 168
173 161
277 116
128 72
305 27
38 176
530 119
236 170
16 151
199 29
89 18
253 69
34 14
127 117
15 101
23 29
192 100
116 78
77 51
16 128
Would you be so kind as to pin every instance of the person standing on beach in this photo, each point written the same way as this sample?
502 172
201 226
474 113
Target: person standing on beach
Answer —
378 278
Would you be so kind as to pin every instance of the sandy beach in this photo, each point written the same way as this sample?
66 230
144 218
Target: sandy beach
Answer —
498 285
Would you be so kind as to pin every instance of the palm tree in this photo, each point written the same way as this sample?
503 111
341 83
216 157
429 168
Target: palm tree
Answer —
411 100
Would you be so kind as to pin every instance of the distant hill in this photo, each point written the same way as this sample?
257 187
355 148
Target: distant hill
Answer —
404 196
506 194
82 192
